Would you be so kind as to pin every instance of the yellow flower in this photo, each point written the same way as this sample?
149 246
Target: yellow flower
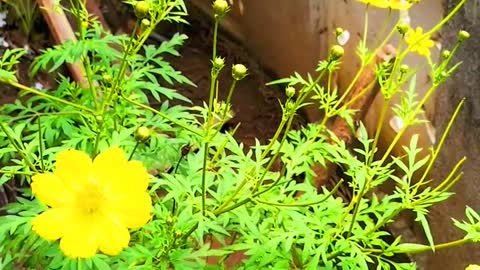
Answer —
92 203
418 42
391 4
473 267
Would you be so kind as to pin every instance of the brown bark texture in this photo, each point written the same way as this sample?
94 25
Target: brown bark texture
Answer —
463 139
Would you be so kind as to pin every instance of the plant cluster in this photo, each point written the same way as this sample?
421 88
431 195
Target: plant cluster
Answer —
203 185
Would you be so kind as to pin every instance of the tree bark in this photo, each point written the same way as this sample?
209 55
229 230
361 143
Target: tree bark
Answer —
463 139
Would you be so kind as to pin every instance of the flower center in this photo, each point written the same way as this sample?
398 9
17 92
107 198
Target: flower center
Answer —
90 198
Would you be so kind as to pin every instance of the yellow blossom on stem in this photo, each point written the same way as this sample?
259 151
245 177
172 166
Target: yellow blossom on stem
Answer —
418 42
391 4
92 203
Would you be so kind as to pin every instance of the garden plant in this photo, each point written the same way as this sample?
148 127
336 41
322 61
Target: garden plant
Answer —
105 180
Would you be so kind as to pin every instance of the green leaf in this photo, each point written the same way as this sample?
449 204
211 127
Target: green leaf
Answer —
426 227
100 264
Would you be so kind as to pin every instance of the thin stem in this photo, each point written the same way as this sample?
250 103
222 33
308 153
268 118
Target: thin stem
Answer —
159 113
204 176
365 27
133 151
442 140
121 72
334 190
215 34
414 250
40 144
440 187
45 95
88 71
18 147
97 141
385 107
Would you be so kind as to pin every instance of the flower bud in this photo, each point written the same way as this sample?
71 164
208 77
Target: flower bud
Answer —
404 68
220 8
463 35
290 91
218 63
84 24
142 8
290 106
99 119
338 31
336 52
178 233
107 78
402 28
239 72
169 220
142 135
446 54
145 23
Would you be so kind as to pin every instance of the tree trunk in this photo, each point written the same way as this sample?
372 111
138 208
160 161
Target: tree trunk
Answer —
463 139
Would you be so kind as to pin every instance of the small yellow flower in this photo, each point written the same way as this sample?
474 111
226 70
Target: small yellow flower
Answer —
92 203
418 42
391 4
473 267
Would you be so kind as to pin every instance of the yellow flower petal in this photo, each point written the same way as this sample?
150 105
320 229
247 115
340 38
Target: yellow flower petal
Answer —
132 210
114 237
118 174
52 224
81 240
473 267
93 203
50 190
74 168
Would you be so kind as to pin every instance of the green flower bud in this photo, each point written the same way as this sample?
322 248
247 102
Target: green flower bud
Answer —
290 106
220 8
463 35
218 63
338 31
404 68
402 28
336 52
99 119
178 233
239 72
145 23
169 220
142 8
446 54
290 91
142 135
107 78
84 24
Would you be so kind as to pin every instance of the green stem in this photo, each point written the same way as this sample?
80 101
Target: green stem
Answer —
204 174
442 140
440 187
385 107
45 95
215 34
159 113
40 144
18 147
121 72
334 190
415 250
97 141
133 151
